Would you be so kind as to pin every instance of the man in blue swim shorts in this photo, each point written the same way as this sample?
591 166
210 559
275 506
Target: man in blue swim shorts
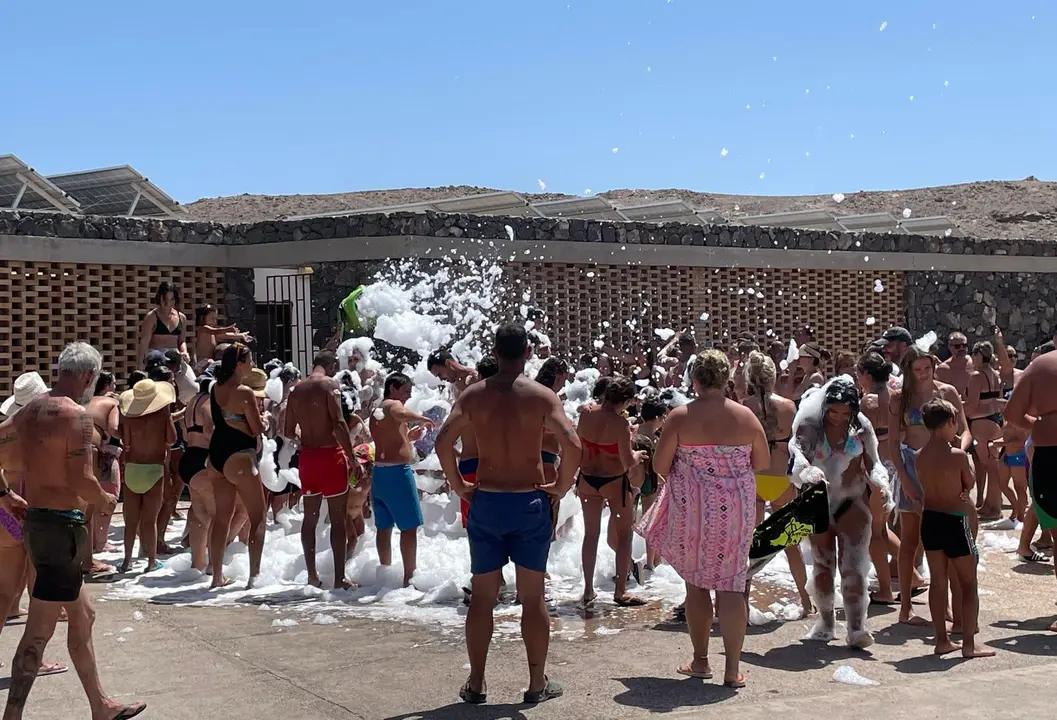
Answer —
510 516
394 495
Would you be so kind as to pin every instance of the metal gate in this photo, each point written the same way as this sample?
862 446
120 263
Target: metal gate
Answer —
284 321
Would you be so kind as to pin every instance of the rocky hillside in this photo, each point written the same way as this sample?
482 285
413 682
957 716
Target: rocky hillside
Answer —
995 209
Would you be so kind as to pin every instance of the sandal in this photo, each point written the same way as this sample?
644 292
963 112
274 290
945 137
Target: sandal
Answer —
468 695
1033 556
737 683
690 672
550 690
51 669
130 711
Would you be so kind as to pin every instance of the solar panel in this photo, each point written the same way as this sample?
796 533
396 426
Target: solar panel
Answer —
711 217
663 212
581 208
23 188
804 219
498 203
874 222
937 225
117 191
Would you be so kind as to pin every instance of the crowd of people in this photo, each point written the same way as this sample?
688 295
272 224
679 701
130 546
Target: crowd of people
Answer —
885 457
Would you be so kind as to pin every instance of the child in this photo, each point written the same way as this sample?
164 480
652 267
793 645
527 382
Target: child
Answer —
945 533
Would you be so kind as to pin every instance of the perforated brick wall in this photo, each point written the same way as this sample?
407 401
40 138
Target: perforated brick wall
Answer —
620 304
44 306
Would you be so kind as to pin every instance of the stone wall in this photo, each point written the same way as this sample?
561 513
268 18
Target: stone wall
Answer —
1020 304
490 228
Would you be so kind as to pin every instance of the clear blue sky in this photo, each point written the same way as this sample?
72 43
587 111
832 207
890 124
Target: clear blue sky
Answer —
228 96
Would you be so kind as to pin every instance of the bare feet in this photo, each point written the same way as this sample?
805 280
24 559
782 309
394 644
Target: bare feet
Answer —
914 621
1053 627
971 651
347 584
629 601
943 648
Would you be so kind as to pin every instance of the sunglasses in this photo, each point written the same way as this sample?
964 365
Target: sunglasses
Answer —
958 346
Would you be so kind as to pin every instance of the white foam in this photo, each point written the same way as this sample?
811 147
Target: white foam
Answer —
846 674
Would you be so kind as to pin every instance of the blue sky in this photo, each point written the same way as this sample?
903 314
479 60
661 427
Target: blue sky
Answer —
226 97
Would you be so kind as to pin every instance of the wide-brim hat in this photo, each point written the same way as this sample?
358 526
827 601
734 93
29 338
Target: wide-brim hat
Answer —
147 397
256 381
28 387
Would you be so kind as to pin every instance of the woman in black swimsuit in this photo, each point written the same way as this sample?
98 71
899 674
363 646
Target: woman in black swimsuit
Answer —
603 480
164 326
983 407
237 426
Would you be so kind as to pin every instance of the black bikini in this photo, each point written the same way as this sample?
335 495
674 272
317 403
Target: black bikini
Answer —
193 461
225 440
160 328
598 482
997 417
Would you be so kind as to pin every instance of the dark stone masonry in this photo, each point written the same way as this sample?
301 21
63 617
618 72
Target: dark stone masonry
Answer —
492 228
1019 303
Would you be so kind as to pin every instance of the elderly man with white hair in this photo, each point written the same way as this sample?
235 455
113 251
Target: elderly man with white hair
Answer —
51 440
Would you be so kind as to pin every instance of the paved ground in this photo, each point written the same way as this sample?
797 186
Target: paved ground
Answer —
232 663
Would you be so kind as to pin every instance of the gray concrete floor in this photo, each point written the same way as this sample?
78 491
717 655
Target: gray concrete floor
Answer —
199 663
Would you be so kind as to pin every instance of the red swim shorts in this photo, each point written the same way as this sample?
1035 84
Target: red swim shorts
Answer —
324 471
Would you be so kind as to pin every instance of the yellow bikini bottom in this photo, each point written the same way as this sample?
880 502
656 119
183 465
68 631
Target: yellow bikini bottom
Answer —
771 487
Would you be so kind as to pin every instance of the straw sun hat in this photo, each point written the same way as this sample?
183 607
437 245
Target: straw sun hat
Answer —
147 397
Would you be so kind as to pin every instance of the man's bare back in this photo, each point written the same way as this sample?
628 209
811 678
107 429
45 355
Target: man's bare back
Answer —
508 417
56 436
1035 396
309 409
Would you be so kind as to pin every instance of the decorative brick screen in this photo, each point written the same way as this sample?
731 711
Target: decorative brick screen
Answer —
44 306
636 300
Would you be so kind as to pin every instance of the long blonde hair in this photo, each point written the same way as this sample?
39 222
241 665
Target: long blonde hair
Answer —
760 377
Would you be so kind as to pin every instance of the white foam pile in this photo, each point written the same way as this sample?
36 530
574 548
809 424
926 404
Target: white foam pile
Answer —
435 594
846 675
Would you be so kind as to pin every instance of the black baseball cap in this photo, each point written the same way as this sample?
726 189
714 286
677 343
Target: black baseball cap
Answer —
897 334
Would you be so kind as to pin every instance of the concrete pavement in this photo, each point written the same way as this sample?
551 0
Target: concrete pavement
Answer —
193 663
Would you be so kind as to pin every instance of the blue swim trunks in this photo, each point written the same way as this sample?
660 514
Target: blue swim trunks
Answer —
1017 459
508 526
394 498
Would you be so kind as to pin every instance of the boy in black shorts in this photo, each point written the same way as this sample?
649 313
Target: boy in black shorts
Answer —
946 478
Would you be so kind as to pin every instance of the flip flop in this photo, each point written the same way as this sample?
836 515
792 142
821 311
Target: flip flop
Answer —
1035 556
735 684
550 691
223 584
883 603
51 669
130 711
685 670
629 601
